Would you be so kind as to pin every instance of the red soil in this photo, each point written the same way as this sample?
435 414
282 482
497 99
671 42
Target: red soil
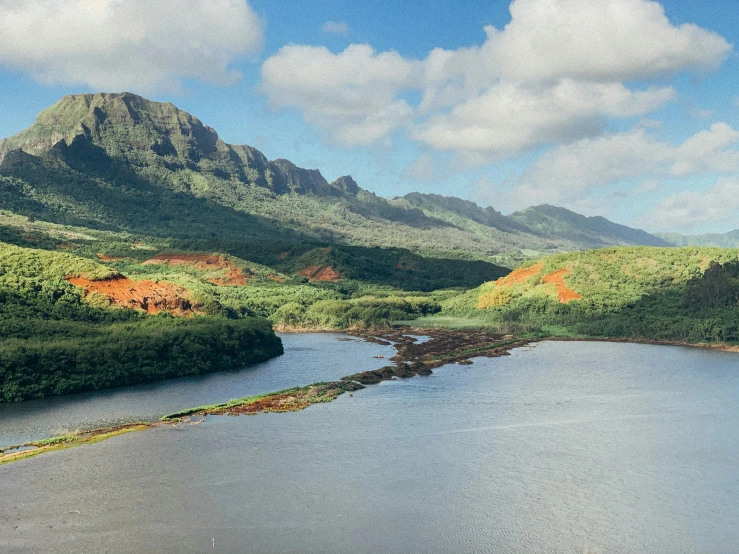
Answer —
273 403
142 295
316 273
104 258
519 275
564 294
204 262
283 256
62 246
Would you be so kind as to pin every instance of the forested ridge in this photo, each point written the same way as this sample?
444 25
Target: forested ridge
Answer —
687 294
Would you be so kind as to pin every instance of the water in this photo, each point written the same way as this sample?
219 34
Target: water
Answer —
308 358
562 447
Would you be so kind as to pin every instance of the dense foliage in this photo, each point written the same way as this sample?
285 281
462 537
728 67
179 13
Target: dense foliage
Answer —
94 356
54 342
687 294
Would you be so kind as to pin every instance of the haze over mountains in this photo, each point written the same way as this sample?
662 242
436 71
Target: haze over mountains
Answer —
122 162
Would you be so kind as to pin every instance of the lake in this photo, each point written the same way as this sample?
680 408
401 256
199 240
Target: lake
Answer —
560 447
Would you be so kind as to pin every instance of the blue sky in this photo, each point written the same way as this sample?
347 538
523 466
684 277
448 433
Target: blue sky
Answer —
622 108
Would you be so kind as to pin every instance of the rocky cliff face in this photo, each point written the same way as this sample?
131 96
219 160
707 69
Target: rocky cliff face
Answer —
150 134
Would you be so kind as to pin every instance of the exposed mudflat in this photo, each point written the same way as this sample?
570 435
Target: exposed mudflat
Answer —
443 346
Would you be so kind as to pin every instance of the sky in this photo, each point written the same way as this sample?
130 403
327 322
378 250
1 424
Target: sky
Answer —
623 108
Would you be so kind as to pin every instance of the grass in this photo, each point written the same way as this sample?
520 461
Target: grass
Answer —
448 322
13 454
288 400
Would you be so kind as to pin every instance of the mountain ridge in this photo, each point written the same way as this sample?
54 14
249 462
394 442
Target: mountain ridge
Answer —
120 160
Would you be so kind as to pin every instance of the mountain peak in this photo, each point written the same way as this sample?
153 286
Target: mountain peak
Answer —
120 123
593 232
346 184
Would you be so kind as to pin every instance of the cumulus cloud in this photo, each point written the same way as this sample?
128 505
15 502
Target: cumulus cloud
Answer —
575 170
608 40
552 75
128 44
687 209
423 168
353 96
335 28
510 117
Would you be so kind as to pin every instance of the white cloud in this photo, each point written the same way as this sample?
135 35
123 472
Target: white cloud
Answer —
607 40
128 44
687 209
423 168
352 96
510 117
552 75
335 28
576 170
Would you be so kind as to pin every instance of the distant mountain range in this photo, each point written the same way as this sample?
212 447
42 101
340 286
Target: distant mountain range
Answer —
722 240
125 163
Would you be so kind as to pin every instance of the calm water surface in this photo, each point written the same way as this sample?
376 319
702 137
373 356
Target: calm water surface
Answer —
308 358
561 447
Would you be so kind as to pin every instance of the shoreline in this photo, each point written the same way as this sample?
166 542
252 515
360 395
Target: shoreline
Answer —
413 358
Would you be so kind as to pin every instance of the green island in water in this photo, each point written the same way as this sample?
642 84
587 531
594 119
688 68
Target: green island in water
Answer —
136 245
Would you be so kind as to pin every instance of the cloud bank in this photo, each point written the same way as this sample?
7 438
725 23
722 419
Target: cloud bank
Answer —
553 75
128 44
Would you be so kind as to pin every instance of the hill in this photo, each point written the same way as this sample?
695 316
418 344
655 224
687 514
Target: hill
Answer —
120 162
687 294
58 337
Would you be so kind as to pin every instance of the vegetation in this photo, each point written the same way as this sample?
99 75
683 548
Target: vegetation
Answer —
119 162
687 294
288 400
53 341
91 357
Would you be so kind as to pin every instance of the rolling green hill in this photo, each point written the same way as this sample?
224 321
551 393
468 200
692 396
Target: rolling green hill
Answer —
687 294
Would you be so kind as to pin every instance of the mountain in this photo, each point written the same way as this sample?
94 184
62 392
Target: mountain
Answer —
721 240
121 162
551 226
591 232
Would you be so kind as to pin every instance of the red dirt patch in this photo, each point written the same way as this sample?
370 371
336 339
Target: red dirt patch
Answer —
518 276
205 262
316 273
564 294
105 258
405 265
63 245
277 278
141 295
283 256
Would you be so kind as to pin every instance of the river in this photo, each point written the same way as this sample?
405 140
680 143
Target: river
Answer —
565 447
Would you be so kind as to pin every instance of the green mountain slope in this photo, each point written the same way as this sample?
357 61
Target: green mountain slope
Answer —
687 293
124 163
588 232
721 240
